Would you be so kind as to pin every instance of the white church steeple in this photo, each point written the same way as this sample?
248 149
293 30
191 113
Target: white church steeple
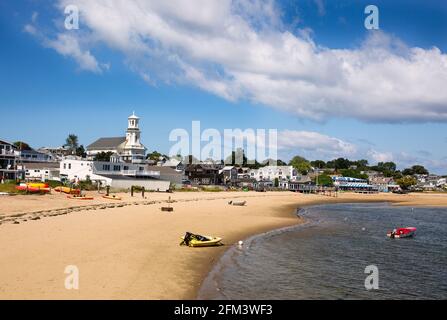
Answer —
133 130
133 149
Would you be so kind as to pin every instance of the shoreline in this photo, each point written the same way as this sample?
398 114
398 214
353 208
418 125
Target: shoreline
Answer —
301 221
235 275
132 252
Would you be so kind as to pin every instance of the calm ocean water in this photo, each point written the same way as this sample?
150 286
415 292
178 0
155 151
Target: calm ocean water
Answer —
326 257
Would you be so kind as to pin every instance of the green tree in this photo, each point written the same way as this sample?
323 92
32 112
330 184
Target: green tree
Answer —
342 163
72 142
406 182
154 155
80 151
353 174
337 164
408 172
416 169
300 164
103 156
279 162
270 161
323 180
22 145
319 164
387 166
397 175
238 159
276 182
361 164
255 165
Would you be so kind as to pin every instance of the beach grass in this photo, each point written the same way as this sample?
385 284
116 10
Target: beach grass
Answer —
9 187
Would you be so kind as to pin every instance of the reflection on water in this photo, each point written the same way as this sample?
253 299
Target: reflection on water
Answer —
326 258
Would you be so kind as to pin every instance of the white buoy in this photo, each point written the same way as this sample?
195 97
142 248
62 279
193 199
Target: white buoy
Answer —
241 242
363 229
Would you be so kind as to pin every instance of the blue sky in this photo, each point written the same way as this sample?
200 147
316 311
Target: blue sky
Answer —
47 93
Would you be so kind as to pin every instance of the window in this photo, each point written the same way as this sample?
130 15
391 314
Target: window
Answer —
106 167
126 168
65 166
69 166
116 168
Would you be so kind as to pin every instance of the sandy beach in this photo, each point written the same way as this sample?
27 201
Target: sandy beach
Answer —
130 249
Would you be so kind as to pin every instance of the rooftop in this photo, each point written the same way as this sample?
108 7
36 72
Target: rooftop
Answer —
41 165
106 143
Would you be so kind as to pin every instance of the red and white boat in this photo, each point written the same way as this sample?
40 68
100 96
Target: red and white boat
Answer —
402 232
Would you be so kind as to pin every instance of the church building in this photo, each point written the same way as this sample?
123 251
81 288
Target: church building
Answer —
125 149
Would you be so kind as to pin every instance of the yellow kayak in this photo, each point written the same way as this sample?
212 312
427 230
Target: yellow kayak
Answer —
67 190
39 185
210 242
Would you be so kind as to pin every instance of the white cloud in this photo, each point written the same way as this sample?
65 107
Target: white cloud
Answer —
378 156
30 29
68 45
406 160
320 6
34 16
240 50
315 142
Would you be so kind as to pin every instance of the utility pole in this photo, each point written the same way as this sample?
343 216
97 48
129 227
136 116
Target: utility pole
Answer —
317 176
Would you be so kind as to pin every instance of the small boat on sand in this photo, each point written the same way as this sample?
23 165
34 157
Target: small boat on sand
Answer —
34 187
67 190
112 197
237 203
75 197
195 240
402 233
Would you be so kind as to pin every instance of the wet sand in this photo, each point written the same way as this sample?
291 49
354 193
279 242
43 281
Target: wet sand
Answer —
131 250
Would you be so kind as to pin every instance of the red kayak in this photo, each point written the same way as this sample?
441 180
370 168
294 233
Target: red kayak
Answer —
33 187
402 232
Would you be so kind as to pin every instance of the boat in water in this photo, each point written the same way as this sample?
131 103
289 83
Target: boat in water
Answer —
402 233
